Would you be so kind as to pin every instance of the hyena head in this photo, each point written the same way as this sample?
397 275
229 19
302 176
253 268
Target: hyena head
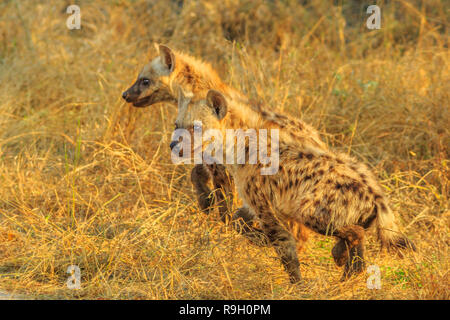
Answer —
201 115
151 85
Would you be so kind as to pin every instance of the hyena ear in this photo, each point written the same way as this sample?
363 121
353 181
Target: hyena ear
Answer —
218 103
183 98
167 57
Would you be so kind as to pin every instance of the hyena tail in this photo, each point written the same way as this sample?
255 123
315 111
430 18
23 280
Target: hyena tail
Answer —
388 231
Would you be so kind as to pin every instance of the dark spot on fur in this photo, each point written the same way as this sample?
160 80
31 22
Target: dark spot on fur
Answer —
188 74
366 224
304 202
275 182
272 235
354 186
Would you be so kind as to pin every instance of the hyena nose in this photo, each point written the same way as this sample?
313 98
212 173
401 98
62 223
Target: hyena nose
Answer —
125 95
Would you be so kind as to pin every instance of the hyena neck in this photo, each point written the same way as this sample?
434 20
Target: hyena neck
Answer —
192 75
241 116
197 77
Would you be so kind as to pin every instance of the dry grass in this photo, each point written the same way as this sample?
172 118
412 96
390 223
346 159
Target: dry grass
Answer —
87 180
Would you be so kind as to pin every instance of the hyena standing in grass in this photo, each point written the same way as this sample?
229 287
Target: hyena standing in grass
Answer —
159 81
329 192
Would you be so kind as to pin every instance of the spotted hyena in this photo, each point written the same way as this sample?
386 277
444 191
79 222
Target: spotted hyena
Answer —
329 192
158 82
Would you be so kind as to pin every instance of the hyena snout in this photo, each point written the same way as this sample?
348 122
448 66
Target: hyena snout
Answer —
132 94
129 96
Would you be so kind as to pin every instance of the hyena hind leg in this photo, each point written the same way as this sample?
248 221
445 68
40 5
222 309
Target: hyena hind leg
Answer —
340 252
349 250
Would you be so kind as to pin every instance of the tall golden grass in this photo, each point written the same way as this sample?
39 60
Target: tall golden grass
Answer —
87 180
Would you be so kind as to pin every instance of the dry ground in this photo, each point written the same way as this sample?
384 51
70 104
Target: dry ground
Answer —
87 180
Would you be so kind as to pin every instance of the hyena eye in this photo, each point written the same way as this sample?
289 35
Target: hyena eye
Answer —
145 82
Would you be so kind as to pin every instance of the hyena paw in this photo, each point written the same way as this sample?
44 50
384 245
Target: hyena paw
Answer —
293 270
296 279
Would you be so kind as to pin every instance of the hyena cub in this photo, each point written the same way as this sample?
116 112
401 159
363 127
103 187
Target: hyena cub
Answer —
158 82
329 192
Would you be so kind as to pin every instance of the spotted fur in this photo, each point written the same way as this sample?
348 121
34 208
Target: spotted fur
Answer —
330 192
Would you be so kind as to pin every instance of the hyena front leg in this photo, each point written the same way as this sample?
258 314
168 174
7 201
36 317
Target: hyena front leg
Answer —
283 242
222 195
340 252
242 219
223 190
200 177
349 250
